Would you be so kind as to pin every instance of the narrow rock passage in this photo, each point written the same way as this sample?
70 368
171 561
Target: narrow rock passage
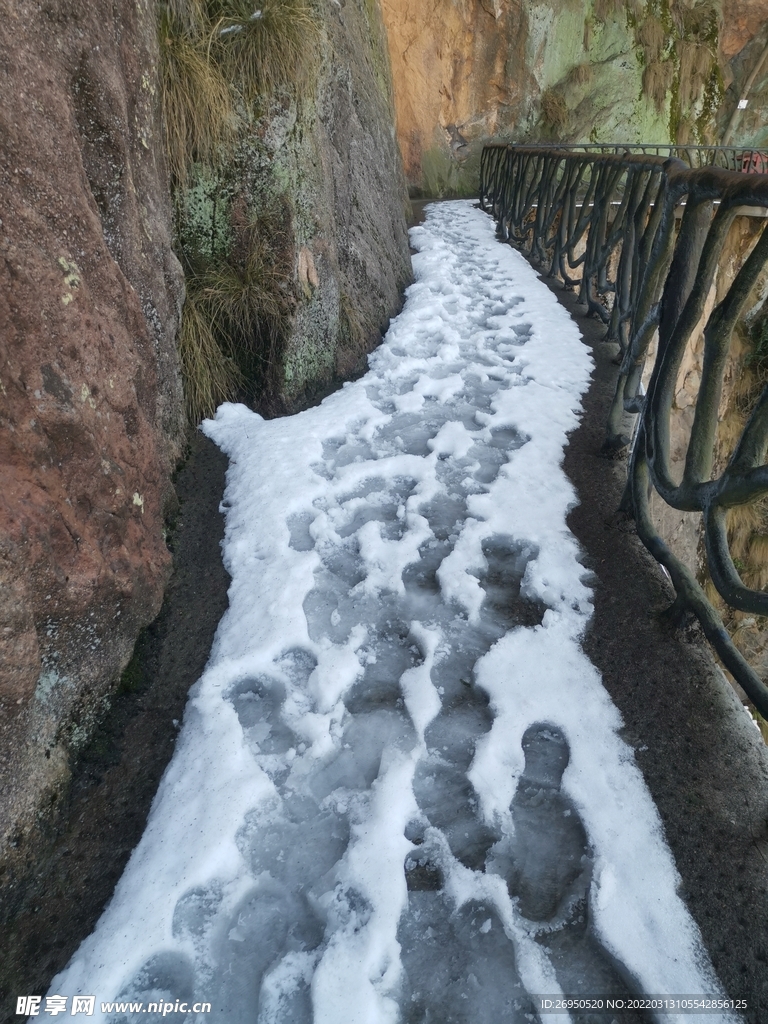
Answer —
399 793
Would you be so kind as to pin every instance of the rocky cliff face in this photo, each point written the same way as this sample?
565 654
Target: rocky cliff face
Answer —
742 21
572 71
90 395
460 74
747 63
315 172
350 201
90 302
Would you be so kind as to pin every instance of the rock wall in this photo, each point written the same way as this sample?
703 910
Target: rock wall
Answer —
90 302
742 21
572 71
90 395
338 168
320 171
461 75
745 55
351 202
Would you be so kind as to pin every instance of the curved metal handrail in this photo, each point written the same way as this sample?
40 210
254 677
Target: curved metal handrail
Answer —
732 158
647 233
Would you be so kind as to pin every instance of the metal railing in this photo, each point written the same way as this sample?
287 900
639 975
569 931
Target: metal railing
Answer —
730 158
647 272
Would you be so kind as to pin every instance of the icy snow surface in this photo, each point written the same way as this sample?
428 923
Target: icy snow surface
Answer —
399 793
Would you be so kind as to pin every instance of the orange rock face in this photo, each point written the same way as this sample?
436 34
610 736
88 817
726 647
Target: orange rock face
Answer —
90 400
742 20
458 69
468 70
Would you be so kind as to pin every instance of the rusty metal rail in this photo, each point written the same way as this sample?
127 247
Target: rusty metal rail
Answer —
645 234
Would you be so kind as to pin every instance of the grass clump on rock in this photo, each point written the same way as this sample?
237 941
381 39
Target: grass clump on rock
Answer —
652 38
198 114
581 74
221 61
698 83
263 44
658 77
696 62
605 9
554 111
238 304
210 375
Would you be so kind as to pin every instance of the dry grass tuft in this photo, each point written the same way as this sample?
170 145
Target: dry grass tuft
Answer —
244 301
605 9
657 81
198 115
210 376
192 14
580 74
684 133
554 110
635 9
677 12
700 21
748 542
652 37
695 66
264 45
236 315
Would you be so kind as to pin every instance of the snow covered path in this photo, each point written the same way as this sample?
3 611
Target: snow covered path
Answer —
399 792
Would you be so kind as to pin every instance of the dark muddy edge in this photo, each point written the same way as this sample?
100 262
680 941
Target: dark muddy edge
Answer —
47 912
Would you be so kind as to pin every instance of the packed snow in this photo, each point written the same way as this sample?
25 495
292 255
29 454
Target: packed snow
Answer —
399 793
